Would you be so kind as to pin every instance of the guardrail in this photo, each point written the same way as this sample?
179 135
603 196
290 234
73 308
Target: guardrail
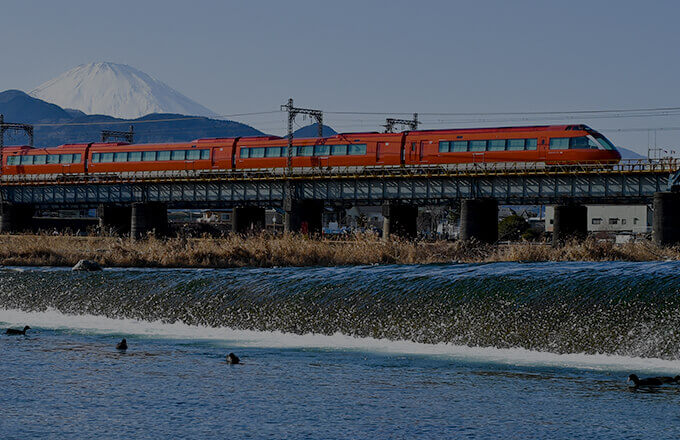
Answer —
477 169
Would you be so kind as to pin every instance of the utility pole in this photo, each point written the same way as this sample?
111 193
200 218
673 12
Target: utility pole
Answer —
5 126
126 136
292 112
411 123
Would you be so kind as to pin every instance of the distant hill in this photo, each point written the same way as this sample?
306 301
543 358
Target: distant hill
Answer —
17 106
313 131
629 154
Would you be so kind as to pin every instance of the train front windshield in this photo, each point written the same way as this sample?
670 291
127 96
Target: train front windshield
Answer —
606 144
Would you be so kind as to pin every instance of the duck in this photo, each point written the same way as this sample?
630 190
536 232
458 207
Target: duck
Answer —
122 345
667 379
648 382
233 359
13 331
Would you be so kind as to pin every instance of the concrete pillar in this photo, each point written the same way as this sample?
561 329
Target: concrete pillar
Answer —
148 217
400 220
115 219
569 222
15 218
666 220
305 216
479 220
247 220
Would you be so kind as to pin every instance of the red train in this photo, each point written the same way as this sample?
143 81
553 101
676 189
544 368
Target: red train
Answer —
556 144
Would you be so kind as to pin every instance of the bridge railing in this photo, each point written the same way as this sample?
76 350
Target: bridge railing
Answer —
626 166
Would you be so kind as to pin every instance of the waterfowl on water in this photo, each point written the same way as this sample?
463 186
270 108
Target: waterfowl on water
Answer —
667 379
13 331
648 382
122 345
233 359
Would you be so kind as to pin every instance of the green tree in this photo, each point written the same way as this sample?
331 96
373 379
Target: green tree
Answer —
512 228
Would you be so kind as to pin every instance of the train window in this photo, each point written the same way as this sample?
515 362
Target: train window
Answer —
559 143
531 144
96 157
515 144
257 152
120 156
149 156
322 150
193 154
477 145
272 152
205 154
582 142
338 150
245 153
444 146
107 157
40 159
307 150
76 158
26 160
135 156
459 146
163 155
497 145
13 160
356 150
178 155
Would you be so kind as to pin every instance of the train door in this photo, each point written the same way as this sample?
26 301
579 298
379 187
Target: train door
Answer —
380 151
413 152
421 151
542 148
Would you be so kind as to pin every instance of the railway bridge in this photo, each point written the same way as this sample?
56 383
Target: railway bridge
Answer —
141 200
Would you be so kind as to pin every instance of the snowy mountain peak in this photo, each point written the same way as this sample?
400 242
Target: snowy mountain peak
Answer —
116 90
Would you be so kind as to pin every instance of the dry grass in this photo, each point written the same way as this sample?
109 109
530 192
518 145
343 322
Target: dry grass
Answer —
295 250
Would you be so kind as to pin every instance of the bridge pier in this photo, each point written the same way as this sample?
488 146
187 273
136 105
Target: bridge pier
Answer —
569 221
666 220
479 220
400 220
148 217
304 216
115 219
15 218
247 220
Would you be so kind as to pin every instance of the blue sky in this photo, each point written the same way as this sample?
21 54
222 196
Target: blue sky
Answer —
382 56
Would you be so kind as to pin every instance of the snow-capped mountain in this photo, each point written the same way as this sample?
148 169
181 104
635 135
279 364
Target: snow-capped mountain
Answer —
116 90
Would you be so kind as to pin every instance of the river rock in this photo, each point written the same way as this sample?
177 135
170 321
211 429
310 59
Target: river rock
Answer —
87 265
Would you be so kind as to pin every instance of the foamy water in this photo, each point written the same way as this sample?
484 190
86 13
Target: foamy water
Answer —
90 324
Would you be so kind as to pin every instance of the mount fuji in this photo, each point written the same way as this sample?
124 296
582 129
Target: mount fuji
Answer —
116 90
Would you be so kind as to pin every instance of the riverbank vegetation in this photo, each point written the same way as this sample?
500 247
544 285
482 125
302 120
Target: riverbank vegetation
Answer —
295 250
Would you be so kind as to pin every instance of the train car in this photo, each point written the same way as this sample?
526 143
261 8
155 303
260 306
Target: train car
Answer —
549 144
342 150
347 152
25 160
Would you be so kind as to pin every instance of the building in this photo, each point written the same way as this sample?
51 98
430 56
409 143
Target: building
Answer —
632 219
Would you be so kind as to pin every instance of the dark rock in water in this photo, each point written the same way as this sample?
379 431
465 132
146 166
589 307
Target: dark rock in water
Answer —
122 345
13 331
87 265
233 359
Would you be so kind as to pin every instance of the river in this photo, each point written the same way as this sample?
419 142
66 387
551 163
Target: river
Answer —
436 351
